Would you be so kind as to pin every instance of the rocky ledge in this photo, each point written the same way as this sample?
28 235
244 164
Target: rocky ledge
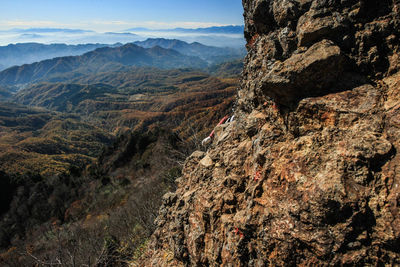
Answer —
309 172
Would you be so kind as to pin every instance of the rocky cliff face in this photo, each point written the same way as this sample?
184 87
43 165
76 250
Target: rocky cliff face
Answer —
309 173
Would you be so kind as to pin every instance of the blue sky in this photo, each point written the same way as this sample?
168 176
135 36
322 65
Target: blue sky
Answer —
114 15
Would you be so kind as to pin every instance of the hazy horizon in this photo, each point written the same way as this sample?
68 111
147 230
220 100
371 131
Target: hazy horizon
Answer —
118 15
107 22
86 37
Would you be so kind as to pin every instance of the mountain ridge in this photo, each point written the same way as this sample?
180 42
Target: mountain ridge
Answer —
26 53
211 54
97 60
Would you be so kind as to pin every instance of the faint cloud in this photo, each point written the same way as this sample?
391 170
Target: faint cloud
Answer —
123 25
105 26
177 24
23 23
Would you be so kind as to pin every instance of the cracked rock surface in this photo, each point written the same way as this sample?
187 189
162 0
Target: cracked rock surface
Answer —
309 173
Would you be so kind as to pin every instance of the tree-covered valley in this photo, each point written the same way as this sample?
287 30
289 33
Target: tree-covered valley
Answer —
90 143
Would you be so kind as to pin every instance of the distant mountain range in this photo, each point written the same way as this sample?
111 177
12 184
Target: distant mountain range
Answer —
223 36
232 29
65 36
154 52
99 60
211 54
25 53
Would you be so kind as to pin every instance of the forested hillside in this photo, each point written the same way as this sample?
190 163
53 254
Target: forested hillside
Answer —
77 149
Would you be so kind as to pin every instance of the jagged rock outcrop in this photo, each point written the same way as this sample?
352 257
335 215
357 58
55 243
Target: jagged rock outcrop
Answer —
309 173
